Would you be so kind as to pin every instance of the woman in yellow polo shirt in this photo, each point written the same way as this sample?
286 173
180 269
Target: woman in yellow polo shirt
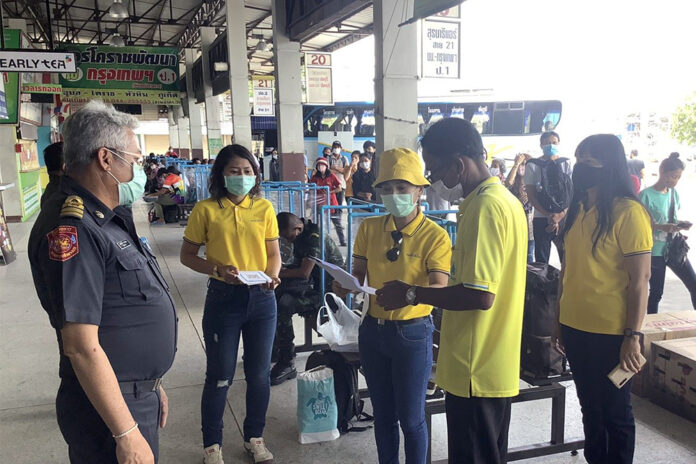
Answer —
396 347
604 293
240 233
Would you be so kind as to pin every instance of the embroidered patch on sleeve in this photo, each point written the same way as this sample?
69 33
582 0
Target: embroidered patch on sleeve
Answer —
62 243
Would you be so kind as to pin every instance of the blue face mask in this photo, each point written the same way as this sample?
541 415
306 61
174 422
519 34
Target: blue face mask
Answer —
550 150
239 185
129 192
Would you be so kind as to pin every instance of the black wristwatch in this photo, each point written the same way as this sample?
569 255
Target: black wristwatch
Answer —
628 333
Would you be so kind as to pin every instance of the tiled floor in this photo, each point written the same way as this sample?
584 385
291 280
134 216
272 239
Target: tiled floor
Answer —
28 384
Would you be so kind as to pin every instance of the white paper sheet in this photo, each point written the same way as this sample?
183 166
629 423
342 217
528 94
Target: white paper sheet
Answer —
345 280
254 277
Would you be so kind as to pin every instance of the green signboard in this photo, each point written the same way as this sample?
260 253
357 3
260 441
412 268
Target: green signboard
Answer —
11 81
132 74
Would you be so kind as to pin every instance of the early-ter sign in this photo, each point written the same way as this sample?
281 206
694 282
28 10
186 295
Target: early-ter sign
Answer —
37 61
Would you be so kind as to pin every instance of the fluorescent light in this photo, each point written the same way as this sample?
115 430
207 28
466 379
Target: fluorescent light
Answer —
221 66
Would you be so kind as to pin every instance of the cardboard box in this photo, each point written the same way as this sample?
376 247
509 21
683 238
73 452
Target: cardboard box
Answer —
674 376
659 327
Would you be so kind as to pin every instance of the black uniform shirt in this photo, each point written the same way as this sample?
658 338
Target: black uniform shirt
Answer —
90 267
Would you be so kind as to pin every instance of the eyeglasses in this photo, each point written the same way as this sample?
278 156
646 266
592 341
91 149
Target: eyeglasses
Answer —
139 160
393 254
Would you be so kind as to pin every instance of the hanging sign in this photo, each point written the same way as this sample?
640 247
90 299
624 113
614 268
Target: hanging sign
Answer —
441 49
319 78
37 61
263 102
130 75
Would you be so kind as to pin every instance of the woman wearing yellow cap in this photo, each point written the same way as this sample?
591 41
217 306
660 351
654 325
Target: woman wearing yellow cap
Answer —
396 346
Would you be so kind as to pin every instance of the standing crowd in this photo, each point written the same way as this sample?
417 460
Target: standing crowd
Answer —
116 324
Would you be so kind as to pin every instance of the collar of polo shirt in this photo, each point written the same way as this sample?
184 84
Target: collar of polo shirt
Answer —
246 203
410 229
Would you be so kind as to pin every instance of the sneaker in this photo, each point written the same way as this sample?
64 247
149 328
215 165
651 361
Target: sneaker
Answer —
257 449
282 372
213 455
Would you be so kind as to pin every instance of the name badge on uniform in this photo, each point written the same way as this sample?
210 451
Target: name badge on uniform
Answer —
123 244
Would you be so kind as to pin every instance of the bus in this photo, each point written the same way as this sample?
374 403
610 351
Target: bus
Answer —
507 127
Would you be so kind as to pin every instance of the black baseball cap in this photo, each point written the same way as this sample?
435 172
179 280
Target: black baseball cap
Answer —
336 143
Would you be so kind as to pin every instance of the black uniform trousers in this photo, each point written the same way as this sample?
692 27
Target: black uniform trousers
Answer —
477 429
89 439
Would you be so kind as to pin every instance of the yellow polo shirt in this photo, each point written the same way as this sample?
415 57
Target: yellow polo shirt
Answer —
594 284
480 349
426 247
233 234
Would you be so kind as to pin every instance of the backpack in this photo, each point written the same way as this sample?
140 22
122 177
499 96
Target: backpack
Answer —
346 387
540 359
555 189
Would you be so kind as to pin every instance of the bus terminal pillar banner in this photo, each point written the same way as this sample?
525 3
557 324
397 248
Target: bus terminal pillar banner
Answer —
127 75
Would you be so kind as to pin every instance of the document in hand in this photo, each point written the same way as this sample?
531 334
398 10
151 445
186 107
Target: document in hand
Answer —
345 280
254 277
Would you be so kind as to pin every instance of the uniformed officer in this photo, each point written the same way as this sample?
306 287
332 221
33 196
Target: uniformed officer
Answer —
105 295
300 290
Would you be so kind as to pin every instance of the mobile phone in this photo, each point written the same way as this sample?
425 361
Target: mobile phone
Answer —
684 224
619 377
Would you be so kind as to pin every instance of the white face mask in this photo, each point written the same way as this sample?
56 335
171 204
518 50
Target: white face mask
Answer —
365 165
451 194
494 171
336 151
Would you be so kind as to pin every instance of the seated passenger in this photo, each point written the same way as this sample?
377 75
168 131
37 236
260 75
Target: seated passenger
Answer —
300 290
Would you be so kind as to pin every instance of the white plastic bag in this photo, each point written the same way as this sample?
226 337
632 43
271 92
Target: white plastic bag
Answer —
341 329
317 412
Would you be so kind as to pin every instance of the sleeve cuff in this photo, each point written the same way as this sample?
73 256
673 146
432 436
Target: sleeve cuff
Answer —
359 257
636 253
192 242
482 286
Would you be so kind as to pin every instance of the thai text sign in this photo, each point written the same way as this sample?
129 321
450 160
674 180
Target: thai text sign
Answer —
263 102
134 97
37 61
441 45
131 74
55 89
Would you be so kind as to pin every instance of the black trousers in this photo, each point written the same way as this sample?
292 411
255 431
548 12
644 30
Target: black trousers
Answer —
89 439
543 241
477 429
658 269
607 414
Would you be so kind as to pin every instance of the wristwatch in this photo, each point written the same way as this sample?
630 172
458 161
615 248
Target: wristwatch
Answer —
411 297
628 333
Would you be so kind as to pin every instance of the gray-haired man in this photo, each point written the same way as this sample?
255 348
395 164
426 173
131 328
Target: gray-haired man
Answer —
104 294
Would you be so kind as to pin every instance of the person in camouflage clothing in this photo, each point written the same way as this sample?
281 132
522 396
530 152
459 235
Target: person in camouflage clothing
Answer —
300 290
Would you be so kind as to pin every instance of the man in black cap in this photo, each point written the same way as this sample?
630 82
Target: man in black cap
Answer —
104 294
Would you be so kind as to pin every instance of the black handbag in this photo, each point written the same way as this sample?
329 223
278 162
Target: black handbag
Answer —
677 249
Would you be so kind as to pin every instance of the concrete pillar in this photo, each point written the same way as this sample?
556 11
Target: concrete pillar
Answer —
182 122
239 72
212 103
173 129
194 111
288 75
396 78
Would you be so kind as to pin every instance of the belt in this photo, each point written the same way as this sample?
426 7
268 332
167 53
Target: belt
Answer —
397 321
140 386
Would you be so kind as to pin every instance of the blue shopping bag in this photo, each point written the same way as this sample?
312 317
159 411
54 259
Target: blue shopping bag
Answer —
317 413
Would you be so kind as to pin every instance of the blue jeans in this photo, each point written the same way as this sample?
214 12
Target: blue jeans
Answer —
231 310
397 359
607 414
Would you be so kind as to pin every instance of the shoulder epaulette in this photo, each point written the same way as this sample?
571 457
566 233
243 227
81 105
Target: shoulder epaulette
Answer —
73 207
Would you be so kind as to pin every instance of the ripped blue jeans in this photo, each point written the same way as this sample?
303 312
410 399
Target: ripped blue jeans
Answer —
231 311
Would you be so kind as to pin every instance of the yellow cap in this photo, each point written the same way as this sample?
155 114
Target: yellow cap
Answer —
401 164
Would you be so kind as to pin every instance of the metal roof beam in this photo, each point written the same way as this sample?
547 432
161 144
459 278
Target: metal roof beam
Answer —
353 37
305 25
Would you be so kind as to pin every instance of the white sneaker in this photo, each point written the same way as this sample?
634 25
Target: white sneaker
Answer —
257 449
213 455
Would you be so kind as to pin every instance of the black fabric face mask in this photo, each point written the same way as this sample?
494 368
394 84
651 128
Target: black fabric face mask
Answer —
586 177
